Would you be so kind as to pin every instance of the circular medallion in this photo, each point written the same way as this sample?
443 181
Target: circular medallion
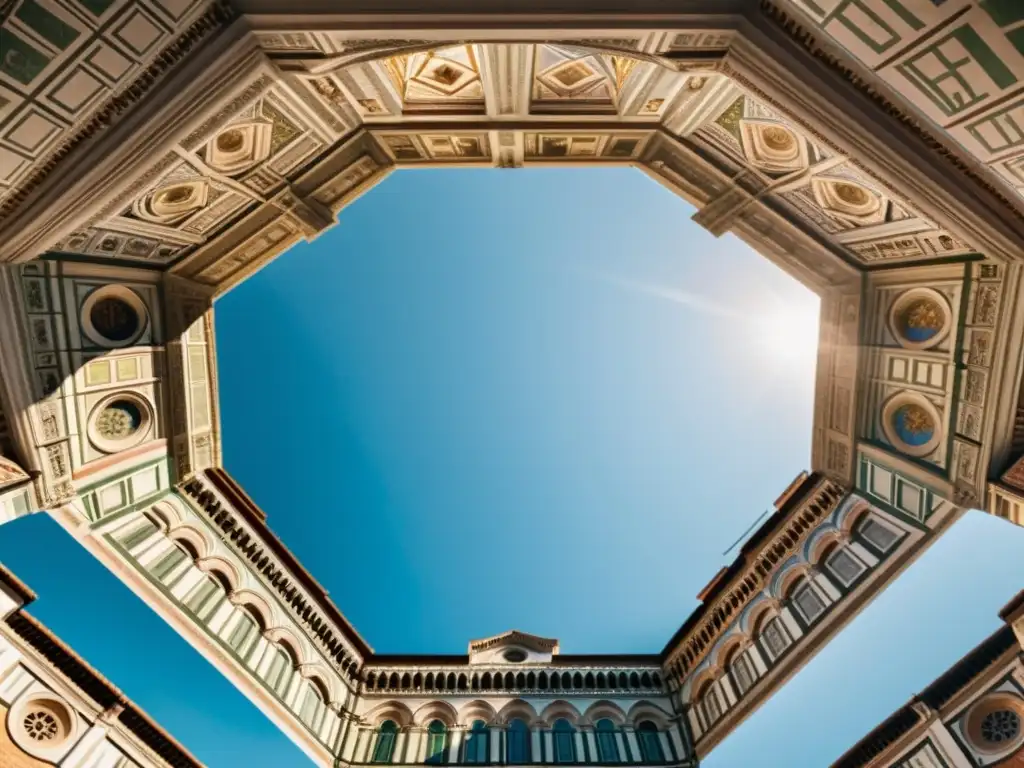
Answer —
514 656
119 422
911 424
920 318
852 194
993 723
776 138
113 316
230 141
41 727
175 195
1000 726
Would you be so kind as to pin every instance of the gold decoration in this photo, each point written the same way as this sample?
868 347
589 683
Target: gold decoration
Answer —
852 194
777 138
176 195
230 141
573 74
924 314
916 420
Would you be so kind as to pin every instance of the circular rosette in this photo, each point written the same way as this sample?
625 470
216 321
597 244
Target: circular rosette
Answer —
912 424
119 422
920 318
113 316
240 147
173 203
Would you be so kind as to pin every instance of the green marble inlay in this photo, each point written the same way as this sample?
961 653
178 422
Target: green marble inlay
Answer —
853 14
1004 12
96 7
49 27
19 59
947 86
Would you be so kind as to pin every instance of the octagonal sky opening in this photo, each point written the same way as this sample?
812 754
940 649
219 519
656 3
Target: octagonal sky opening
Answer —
543 399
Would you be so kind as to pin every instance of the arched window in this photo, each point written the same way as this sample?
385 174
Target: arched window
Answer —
146 529
518 744
650 742
564 737
279 673
880 537
739 671
807 600
172 559
844 565
384 749
774 636
477 743
709 704
244 632
314 707
437 742
607 746
207 594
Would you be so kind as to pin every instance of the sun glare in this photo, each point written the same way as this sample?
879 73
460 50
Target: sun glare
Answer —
788 334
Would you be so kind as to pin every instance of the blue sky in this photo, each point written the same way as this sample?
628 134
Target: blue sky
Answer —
540 399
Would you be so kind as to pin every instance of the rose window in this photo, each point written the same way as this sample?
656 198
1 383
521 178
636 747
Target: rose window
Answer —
119 420
114 319
41 726
999 726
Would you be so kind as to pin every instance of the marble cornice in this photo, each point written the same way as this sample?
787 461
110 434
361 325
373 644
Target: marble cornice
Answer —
249 545
216 17
750 580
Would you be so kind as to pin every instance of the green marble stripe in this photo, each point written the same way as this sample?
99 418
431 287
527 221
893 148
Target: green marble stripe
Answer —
1004 12
51 28
20 60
